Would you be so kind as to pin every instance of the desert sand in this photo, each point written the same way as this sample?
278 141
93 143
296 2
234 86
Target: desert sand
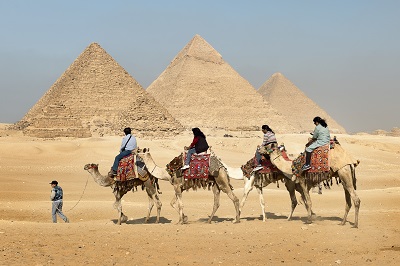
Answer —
28 236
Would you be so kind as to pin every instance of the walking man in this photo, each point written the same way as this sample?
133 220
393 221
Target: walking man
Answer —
57 202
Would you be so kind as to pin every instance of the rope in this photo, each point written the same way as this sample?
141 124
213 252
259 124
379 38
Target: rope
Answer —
80 197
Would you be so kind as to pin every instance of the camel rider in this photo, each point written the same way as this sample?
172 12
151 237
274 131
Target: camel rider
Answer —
269 137
127 146
198 145
320 137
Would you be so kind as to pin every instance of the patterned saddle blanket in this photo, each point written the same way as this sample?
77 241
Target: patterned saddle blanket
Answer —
320 162
126 169
198 167
268 167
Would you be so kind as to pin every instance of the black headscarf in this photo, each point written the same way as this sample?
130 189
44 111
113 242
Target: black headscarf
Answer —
197 132
320 121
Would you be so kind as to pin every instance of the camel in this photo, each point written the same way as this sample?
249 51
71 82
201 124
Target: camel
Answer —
342 165
153 172
259 181
262 180
218 179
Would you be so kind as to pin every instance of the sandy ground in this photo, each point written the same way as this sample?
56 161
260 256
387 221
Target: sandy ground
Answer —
28 237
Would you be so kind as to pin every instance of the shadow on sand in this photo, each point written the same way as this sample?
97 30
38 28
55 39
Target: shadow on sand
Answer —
152 220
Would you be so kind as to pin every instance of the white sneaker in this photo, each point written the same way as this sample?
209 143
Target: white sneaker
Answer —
259 167
185 167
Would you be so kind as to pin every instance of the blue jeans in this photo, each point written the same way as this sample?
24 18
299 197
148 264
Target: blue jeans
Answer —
118 158
189 154
57 209
258 157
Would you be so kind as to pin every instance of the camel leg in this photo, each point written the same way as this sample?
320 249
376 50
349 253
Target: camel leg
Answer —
153 197
217 194
235 201
177 204
118 206
346 177
262 203
248 186
223 184
307 199
290 186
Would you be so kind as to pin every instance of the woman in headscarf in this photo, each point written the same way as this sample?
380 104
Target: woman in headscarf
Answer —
320 137
198 145
268 138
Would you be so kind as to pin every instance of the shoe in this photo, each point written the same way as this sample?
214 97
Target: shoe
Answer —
306 167
185 167
112 173
257 168
67 220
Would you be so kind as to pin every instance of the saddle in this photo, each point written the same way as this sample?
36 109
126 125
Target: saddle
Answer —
198 167
320 164
129 168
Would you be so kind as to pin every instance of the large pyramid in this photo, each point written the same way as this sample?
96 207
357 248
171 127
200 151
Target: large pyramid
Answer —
200 89
294 104
95 96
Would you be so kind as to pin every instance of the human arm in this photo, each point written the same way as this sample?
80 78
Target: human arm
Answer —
195 140
314 137
53 194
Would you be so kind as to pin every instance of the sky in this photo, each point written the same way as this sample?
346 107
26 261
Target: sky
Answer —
344 55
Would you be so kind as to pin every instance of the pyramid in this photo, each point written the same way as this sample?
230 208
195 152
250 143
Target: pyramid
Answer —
95 96
201 90
300 110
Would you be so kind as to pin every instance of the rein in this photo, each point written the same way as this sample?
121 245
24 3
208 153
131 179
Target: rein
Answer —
155 165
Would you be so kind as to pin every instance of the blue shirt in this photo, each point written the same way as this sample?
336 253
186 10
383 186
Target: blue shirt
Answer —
322 135
131 145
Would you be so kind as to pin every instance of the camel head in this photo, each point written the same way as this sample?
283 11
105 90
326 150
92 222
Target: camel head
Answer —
151 166
269 148
90 166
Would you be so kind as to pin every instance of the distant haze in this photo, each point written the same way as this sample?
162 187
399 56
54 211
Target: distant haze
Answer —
343 55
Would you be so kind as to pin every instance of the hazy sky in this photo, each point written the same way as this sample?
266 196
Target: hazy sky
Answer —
344 55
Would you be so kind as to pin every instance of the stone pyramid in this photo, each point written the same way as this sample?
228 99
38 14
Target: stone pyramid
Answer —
201 90
95 96
300 110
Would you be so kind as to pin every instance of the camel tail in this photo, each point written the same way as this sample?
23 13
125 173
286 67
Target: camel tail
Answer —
157 186
353 174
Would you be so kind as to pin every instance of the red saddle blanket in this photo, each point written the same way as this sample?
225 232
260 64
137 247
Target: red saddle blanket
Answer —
126 168
320 162
268 167
198 166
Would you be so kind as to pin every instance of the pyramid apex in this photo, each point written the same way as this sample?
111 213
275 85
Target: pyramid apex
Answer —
277 75
199 49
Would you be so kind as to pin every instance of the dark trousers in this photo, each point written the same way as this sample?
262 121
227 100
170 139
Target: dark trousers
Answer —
308 157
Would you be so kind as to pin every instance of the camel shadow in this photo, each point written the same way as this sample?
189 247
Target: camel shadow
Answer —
268 215
273 216
152 220
216 219
331 218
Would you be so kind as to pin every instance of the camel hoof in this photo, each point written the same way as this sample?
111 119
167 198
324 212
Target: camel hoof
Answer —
236 221
185 219
124 219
